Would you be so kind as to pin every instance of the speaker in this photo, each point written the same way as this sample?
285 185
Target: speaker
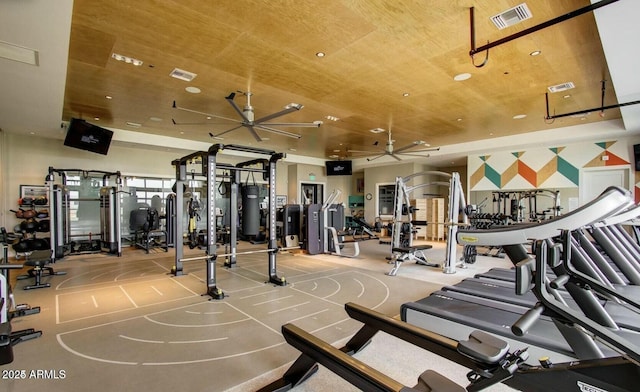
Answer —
636 156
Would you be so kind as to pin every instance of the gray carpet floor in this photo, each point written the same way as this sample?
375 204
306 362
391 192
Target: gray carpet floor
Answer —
127 324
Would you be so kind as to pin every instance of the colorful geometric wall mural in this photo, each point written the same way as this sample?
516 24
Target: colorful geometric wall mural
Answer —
556 167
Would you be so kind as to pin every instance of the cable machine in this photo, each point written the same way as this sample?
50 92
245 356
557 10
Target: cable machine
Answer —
209 168
456 199
110 228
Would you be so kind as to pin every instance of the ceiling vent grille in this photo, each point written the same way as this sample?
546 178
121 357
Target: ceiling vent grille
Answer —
561 87
182 74
511 16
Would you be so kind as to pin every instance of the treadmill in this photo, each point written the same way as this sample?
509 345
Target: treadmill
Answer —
455 317
504 291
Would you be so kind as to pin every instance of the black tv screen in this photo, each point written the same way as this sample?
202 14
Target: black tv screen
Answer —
338 168
88 137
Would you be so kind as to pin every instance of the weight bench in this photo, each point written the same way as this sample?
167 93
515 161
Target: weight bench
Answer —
38 259
406 253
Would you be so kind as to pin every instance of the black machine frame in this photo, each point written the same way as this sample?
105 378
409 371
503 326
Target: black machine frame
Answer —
210 166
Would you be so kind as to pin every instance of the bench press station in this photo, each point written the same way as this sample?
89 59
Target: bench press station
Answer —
410 253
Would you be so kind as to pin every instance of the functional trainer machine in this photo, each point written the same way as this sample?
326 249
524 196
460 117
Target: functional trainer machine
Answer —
109 202
403 249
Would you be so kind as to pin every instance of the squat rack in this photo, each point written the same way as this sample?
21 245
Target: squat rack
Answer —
209 168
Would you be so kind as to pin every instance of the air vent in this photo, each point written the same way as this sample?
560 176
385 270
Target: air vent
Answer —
561 87
511 16
182 74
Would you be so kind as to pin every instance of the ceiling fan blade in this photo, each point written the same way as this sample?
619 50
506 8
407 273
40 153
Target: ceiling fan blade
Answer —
427 149
408 146
278 131
366 152
315 124
376 157
197 123
237 109
410 154
287 110
227 131
394 156
254 133
203 113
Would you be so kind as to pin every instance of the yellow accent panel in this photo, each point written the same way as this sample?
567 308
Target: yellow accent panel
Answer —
509 174
477 176
596 161
547 170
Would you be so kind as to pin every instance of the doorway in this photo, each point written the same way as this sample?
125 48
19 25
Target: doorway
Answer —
311 193
593 181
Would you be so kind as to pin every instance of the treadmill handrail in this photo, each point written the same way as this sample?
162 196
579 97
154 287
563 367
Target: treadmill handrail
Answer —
621 217
612 200
625 346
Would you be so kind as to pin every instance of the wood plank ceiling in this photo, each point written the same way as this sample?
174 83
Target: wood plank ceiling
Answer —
375 52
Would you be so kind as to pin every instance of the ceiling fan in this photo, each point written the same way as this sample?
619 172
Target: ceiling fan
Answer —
389 150
247 118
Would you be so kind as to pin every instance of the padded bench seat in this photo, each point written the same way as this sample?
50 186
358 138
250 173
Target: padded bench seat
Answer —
405 253
411 249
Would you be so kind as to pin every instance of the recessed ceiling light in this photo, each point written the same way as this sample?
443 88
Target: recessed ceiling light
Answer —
97 118
32 133
462 76
336 150
182 132
566 96
332 118
293 149
133 124
405 94
519 116
320 54
156 119
126 59
377 130
193 90
459 119
535 53
333 156
108 97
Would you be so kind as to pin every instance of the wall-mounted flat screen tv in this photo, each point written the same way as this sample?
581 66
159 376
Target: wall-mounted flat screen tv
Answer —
88 137
338 168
